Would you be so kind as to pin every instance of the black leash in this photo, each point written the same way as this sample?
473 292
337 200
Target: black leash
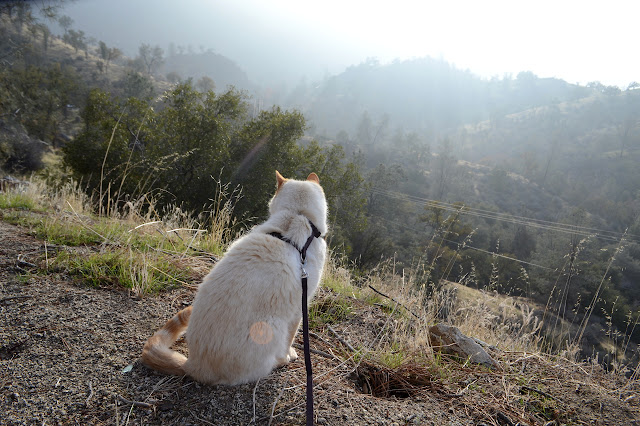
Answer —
305 314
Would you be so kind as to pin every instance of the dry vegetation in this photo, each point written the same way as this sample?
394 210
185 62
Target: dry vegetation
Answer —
373 361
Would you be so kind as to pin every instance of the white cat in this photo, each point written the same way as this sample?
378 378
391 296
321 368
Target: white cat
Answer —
248 308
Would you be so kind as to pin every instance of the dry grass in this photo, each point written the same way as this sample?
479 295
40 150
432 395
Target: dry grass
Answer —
136 248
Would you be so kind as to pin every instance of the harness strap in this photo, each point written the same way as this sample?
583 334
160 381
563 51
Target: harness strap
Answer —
305 314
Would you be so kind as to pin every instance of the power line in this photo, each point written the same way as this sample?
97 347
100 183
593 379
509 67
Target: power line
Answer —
471 247
585 278
508 218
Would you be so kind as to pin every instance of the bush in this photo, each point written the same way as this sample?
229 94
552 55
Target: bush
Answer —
19 153
173 149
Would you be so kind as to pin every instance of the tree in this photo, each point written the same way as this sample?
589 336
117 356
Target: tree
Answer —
448 236
41 95
136 85
265 143
103 50
65 22
342 181
172 147
24 15
46 35
523 244
205 84
76 39
444 168
365 130
381 129
173 77
151 57
625 129
108 54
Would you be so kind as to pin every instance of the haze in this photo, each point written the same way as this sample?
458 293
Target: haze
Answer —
282 41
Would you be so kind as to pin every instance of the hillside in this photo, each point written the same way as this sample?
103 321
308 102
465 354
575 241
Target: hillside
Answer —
71 338
424 95
504 179
222 70
523 186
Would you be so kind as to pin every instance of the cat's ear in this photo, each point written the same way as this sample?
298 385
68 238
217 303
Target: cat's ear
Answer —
313 178
279 179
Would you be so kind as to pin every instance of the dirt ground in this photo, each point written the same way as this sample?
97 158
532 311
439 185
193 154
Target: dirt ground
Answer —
69 355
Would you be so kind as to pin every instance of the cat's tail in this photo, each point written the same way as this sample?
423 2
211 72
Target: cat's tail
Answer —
156 353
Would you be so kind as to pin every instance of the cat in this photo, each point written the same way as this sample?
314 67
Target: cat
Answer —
247 310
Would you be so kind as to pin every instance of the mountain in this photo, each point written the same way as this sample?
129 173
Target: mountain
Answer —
221 69
423 95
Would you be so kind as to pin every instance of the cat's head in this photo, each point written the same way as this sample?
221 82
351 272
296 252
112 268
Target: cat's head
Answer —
304 197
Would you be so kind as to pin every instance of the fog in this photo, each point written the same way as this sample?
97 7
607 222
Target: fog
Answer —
282 41
458 133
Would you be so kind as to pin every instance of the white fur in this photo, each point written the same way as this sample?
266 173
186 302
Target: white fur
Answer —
258 283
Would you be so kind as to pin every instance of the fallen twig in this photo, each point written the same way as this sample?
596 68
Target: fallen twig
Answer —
24 271
340 339
200 419
86 401
317 336
135 403
6 299
24 263
64 342
523 388
255 388
505 419
314 351
275 402
394 300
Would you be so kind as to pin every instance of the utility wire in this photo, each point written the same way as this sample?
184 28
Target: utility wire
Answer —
504 217
585 278
493 214
465 245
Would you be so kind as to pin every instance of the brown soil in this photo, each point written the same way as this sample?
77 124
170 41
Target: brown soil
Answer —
69 355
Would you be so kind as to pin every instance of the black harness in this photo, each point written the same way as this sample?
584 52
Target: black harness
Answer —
305 313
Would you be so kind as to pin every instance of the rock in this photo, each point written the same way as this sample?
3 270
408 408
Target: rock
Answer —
449 339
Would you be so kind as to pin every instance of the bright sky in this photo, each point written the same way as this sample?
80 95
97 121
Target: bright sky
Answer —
579 41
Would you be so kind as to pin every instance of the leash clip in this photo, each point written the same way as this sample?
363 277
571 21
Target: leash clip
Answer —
302 265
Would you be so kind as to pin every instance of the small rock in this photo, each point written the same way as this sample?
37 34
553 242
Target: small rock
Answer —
322 420
166 406
447 338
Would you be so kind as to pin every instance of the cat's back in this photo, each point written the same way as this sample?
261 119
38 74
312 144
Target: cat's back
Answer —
253 261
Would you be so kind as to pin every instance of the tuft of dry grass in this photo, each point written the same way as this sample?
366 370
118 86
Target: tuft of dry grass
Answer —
137 247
